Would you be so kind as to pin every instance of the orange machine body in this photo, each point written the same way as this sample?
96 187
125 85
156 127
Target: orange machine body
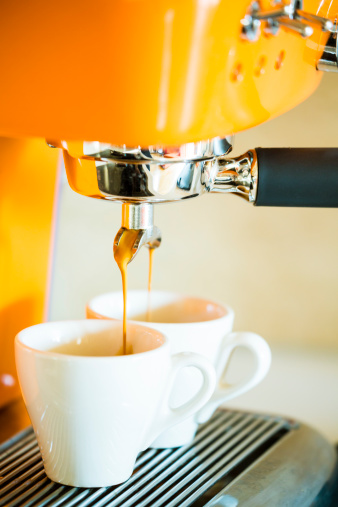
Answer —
134 72
28 170
140 72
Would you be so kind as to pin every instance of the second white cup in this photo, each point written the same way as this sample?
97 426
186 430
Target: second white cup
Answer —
191 325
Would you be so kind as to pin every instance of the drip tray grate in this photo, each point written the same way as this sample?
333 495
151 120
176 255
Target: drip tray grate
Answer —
191 475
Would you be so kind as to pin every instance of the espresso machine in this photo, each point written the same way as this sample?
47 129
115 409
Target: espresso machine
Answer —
144 99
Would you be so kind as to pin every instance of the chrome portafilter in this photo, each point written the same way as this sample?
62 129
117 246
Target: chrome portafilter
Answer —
141 177
138 217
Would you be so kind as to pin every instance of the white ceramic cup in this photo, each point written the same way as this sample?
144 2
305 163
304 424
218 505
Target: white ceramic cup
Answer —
93 411
208 333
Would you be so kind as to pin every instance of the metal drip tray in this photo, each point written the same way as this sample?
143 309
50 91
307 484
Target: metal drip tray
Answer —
236 459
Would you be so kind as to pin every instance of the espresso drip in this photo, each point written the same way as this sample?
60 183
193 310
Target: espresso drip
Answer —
123 254
151 252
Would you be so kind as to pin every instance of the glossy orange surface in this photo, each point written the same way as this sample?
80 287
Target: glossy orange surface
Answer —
141 72
27 184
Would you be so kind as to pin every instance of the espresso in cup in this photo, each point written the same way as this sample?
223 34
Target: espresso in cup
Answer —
182 310
97 346
191 325
94 409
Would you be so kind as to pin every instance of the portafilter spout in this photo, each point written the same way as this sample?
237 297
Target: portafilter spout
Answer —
138 217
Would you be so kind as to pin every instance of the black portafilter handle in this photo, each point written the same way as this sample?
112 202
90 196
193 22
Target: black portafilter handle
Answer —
302 177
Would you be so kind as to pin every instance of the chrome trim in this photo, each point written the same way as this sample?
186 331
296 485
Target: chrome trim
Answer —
328 62
290 16
200 151
139 217
133 177
148 175
326 24
254 176
237 175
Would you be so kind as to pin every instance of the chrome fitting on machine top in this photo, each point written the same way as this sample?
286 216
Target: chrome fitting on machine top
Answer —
328 62
139 217
290 16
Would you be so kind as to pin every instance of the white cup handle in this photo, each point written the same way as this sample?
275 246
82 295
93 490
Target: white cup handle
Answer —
167 416
224 392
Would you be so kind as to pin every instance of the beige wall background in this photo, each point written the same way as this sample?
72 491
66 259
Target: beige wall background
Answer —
277 267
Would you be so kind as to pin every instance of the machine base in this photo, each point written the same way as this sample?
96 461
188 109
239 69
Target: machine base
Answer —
236 459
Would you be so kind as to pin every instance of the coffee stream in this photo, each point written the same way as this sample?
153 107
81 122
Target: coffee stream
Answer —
123 254
151 252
